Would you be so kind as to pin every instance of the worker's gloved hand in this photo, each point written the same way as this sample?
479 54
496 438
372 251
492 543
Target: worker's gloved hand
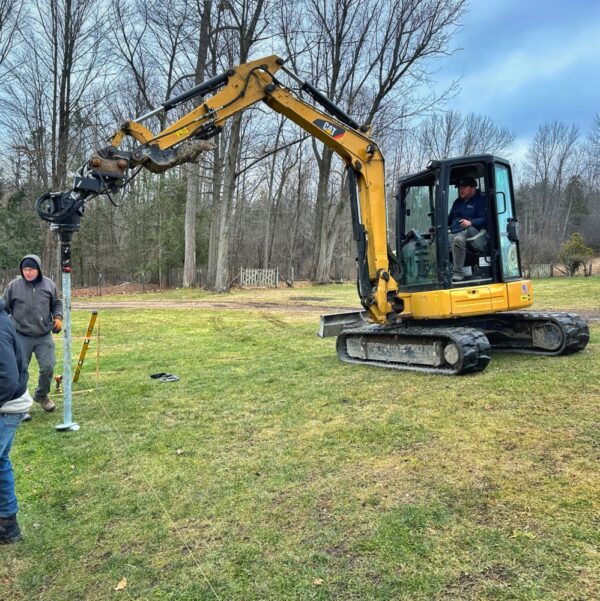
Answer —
57 327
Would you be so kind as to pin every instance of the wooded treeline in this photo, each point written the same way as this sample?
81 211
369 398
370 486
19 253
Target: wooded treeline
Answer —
72 70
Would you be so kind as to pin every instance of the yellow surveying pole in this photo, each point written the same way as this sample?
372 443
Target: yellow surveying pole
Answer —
85 345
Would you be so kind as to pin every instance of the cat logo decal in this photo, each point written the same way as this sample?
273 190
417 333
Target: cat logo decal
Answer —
329 128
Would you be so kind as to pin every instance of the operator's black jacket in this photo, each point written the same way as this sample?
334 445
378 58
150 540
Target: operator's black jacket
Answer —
33 305
474 210
13 368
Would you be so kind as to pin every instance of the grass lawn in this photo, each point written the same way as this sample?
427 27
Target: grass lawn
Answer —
568 294
271 471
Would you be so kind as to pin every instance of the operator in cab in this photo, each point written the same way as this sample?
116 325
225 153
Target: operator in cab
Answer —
466 220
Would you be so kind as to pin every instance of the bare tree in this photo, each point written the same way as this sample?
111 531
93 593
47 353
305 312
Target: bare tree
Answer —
593 150
552 163
440 134
74 33
551 159
588 223
10 16
369 57
55 72
450 134
299 208
244 23
193 170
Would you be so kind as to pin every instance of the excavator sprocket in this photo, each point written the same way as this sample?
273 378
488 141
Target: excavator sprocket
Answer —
535 333
444 350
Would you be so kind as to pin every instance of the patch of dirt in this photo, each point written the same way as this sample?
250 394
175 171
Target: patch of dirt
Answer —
310 298
294 303
236 305
124 288
233 305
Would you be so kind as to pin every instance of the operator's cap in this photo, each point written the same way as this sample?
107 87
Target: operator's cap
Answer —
467 181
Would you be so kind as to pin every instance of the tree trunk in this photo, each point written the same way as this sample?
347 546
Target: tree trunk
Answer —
225 214
217 200
191 205
193 172
300 193
269 207
320 265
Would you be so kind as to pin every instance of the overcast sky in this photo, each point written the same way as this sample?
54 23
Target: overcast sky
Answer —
527 62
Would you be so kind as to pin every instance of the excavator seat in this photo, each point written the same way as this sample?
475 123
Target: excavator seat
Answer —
478 259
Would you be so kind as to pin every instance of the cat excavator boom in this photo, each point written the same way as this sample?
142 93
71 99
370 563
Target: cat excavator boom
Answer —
413 316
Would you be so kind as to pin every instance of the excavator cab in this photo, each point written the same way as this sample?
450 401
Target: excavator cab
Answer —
423 203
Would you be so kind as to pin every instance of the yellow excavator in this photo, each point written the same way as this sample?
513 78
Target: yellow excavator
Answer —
413 316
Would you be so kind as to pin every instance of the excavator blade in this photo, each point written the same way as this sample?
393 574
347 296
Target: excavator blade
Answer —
335 323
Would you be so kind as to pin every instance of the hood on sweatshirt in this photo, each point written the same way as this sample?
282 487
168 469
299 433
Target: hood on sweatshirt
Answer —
37 261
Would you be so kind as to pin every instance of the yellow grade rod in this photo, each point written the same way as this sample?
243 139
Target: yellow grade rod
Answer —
85 345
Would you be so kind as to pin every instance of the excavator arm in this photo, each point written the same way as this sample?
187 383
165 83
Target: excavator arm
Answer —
232 92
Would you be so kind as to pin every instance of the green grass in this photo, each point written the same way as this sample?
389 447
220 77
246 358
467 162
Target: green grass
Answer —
577 294
271 471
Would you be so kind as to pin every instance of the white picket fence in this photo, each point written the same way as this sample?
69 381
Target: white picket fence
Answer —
259 278
539 271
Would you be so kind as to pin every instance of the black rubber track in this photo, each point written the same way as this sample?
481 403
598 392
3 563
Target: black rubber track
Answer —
473 346
574 328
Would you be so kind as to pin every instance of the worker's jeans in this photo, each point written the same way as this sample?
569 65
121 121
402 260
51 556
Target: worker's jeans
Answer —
43 349
458 245
9 422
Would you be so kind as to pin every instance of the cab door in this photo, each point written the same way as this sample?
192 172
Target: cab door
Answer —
507 224
416 241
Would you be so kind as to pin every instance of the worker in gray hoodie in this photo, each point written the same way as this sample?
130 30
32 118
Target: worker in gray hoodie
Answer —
33 304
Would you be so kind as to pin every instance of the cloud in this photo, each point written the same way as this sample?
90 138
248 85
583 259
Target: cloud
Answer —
527 76
542 58
518 156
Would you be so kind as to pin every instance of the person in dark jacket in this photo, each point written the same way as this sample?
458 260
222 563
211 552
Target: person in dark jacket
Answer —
14 403
36 310
467 217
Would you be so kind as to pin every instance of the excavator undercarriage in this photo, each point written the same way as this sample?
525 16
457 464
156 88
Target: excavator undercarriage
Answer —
455 346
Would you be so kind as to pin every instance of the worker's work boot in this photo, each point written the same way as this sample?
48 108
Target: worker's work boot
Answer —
45 402
9 530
